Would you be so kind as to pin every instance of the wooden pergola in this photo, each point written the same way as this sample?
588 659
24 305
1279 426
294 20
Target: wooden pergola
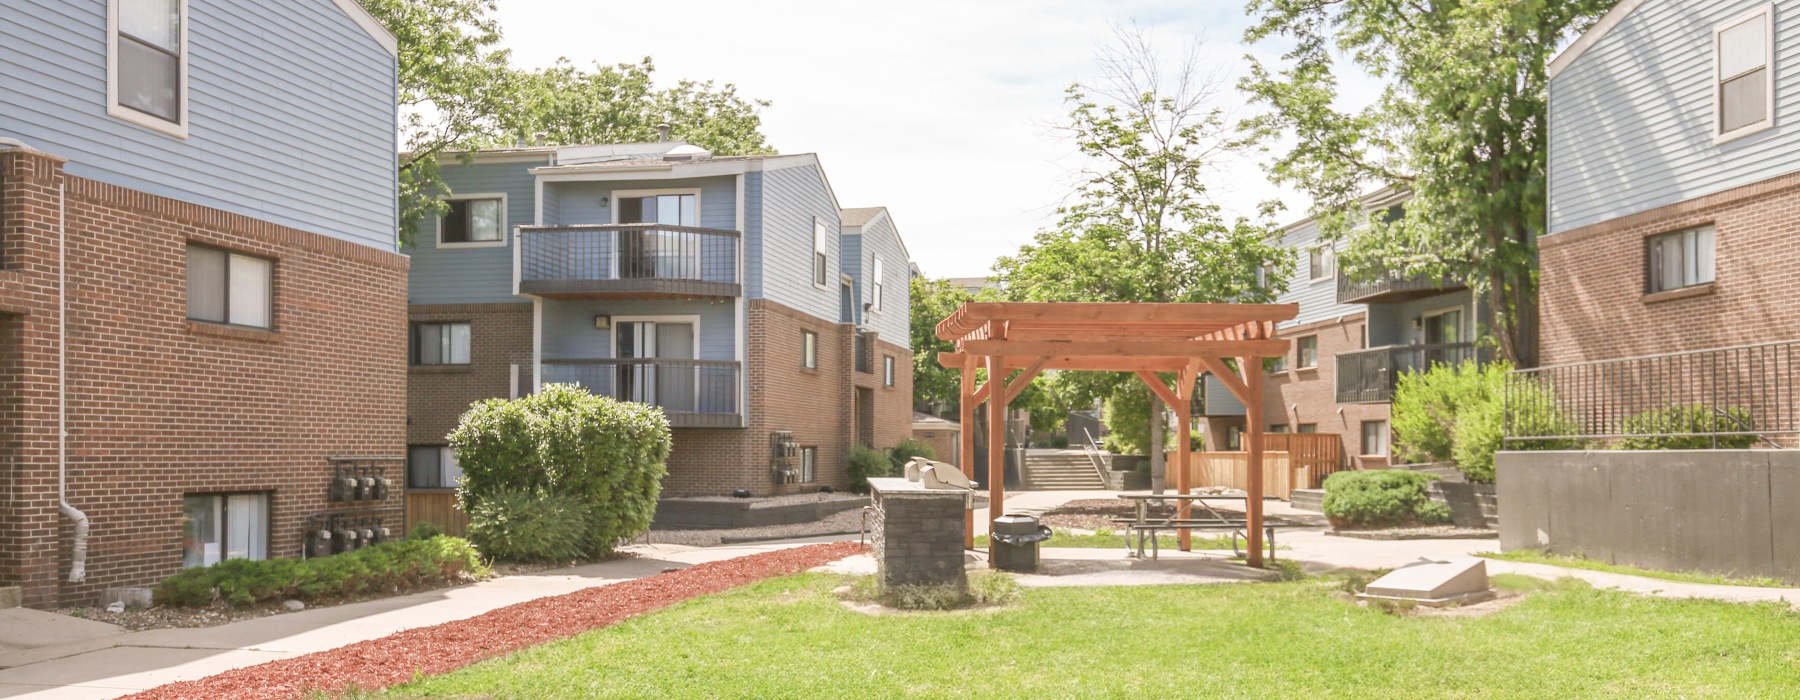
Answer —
1016 341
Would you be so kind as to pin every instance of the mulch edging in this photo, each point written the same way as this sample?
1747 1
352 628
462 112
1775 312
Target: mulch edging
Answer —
398 658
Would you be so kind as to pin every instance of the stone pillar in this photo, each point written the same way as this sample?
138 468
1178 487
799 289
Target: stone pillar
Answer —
918 534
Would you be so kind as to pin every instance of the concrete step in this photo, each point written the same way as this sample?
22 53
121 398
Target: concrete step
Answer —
11 597
1308 500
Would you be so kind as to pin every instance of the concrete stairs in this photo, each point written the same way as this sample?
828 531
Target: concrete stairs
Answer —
1308 500
1060 470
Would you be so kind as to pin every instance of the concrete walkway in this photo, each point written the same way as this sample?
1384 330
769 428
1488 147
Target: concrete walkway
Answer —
88 662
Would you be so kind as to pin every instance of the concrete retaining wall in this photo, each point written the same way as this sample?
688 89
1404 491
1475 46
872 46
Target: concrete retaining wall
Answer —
1724 511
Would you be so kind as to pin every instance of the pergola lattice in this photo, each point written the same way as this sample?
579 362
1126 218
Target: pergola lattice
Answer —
1016 341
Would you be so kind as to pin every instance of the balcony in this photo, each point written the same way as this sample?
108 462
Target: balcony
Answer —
628 261
1369 376
1387 289
692 393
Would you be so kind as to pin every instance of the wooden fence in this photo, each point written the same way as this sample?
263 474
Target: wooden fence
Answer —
1290 461
438 508
1317 454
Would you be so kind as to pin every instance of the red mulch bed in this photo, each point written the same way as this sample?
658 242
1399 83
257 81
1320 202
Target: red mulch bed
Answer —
395 659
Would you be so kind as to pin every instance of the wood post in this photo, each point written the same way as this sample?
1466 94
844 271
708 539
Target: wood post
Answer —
966 446
1251 369
996 446
1184 478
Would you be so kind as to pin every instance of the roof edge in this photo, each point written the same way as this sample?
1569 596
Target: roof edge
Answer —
371 25
1587 40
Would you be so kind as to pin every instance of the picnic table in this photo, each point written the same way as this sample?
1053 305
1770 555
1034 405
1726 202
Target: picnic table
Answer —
1146 527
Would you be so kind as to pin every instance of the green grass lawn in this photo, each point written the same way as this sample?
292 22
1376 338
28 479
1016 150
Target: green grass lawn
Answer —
791 638
1532 556
1105 539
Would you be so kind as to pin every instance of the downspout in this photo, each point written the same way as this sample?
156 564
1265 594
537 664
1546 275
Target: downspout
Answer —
78 563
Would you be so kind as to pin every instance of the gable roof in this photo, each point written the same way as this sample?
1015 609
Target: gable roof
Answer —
860 216
371 25
1600 29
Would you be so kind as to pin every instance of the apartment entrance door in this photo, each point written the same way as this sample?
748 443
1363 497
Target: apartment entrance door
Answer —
666 382
1443 328
658 253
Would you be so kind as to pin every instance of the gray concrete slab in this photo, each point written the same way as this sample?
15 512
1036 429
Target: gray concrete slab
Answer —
24 629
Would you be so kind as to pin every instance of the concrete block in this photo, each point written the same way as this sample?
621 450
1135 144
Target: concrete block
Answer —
11 597
131 597
1433 583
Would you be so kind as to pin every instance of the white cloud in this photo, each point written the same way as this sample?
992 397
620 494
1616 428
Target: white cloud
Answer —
933 109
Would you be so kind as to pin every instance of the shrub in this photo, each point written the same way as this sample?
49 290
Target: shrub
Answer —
1683 426
1381 498
389 566
906 451
1127 418
517 525
867 463
424 530
609 455
1458 413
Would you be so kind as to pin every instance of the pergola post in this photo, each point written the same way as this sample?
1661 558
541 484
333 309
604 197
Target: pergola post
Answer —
997 399
966 446
1251 369
1184 437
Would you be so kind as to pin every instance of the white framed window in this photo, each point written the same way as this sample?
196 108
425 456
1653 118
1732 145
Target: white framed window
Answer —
473 221
887 370
440 344
1744 75
809 465
880 289
220 526
1309 428
1321 263
431 467
1679 259
230 288
1374 438
809 350
1306 352
147 63
821 253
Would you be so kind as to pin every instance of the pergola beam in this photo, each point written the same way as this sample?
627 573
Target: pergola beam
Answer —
1182 349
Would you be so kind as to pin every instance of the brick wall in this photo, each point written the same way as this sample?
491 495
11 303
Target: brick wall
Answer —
1298 396
499 338
159 406
945 443
1592 284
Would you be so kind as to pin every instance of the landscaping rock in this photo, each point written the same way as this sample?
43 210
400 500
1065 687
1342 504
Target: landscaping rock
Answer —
293 605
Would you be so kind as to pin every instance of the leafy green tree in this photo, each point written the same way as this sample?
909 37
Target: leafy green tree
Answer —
1460 127
459 91
1141 225
933 301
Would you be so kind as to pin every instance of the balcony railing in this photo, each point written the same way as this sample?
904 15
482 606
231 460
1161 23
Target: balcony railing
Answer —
628 259
1388 289
693 393
1369 376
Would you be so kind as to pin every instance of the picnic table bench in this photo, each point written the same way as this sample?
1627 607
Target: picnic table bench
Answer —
1144 526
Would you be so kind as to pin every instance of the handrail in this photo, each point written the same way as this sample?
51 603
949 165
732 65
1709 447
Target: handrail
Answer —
553 228
1100 459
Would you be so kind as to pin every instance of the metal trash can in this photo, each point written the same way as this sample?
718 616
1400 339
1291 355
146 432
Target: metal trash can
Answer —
1013 543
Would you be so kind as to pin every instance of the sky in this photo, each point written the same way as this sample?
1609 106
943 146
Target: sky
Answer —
936 110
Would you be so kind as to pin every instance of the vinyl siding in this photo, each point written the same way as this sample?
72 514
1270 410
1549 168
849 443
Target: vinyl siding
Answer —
781 205
850 251
591 202
1631 120
473 275
893 320
1392 324
569 331
291 111
1317 300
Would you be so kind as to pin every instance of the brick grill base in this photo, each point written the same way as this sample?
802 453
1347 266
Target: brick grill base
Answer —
918 538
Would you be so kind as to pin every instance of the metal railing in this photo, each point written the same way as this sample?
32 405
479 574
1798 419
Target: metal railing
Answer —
1369 376
693 393
1101 458
1736 397
628 258
1351 290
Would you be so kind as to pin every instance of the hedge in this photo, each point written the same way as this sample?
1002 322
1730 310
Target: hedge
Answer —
387 567
867 463
906 451
609 455
1682 428
1381 498
517 525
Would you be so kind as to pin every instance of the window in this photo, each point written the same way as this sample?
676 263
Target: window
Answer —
147 63
809 463
809 350
1278 363
1375 438
1233 438
225 287
1308 428
476 220
1443 327
820 259
431 467
1278 428
875 298
1680 259
1321 262
887 370
1306 351
217 526
441 344
1743 59
1265 277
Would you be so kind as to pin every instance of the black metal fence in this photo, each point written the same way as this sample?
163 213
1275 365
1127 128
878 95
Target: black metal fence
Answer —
693 393
1369 376
1738 397
627 252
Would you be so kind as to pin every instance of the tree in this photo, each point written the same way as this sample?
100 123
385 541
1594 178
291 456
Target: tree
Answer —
1460 127
458 91
1140 226
932 301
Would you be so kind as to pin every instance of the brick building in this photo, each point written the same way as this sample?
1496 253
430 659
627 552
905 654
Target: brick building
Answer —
733 292
194 318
